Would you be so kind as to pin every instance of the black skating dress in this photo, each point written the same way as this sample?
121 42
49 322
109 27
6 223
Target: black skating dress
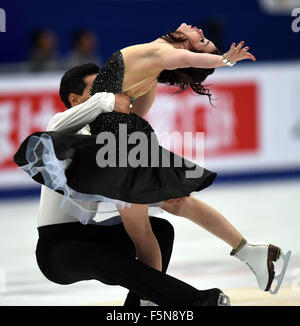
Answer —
120 163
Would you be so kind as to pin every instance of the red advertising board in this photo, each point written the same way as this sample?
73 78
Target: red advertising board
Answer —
21 115
230 127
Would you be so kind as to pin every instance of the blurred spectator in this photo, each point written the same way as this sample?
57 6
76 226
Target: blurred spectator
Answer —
84 49
43 56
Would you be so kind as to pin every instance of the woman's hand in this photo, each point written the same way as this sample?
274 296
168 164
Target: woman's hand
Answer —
238 53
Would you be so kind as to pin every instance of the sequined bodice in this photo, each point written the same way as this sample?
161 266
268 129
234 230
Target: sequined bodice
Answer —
110 79
112 121
111 75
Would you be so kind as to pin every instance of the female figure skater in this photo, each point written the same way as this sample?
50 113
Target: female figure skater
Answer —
184 58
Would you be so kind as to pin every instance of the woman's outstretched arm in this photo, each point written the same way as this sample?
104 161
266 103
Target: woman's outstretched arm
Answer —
171 58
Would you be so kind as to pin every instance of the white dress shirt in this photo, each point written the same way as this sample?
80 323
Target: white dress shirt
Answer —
73 120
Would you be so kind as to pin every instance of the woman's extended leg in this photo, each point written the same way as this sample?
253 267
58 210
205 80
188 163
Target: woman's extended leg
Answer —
136 223
258 256
205 216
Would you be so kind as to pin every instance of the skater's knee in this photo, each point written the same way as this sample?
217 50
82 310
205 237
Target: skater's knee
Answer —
176 207
162 226
167 228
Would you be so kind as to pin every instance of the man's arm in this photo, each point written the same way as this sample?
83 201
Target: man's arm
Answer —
143 104
82 114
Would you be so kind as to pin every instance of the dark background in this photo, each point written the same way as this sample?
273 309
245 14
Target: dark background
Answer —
122 23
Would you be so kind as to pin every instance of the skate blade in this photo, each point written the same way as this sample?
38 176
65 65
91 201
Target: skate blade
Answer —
223 300
279 277
147 303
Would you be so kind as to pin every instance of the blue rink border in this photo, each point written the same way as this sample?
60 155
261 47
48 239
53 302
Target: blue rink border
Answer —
257 176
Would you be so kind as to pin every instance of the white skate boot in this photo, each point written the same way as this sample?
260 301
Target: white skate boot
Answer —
260 257
223 300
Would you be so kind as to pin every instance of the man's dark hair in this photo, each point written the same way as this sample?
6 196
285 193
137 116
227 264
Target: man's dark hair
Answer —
72 81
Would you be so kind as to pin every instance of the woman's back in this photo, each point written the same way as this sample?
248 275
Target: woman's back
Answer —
131 71
140 71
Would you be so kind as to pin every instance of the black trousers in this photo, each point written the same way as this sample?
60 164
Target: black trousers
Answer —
72 252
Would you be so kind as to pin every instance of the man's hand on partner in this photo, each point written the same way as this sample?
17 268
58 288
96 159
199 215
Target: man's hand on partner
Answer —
175 200
122 103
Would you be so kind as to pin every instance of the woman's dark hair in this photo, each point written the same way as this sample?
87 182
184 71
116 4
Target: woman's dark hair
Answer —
186 78
72 81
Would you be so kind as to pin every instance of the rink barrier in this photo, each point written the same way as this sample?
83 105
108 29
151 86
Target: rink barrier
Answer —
257 176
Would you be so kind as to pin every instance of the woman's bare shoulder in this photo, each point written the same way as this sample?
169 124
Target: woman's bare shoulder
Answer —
146 49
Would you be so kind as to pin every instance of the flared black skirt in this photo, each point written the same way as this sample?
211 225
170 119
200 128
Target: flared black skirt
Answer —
121 163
